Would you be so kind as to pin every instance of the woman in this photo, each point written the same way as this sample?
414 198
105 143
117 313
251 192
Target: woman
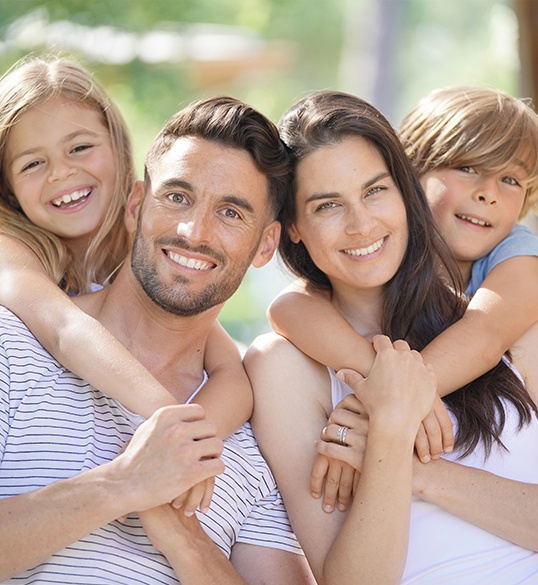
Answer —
360 229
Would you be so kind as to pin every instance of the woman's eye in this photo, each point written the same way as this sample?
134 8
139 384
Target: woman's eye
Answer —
326 205
376 189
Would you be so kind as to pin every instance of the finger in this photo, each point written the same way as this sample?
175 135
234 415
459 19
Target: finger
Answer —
435 439
346 487
381 342
194 498
352 456
208 495
401 344
447 428
422 446
332 483
349 377
317 476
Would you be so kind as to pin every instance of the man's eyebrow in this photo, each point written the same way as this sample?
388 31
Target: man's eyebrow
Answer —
240 202
175 184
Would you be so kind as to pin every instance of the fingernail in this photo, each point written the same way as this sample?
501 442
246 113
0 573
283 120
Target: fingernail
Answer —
342 507
315 495
328 509
449 449
426 459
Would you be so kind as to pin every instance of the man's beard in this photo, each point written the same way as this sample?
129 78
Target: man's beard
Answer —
176 298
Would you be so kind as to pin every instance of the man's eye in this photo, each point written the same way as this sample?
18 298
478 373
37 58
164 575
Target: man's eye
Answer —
326 205
231 214
177 197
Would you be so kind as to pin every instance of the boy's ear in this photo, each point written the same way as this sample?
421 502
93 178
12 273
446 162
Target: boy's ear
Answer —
268 245
134 202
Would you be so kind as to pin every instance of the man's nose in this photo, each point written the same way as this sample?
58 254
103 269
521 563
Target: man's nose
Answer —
196 228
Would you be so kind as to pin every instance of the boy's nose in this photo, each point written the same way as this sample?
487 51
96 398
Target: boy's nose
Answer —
487 191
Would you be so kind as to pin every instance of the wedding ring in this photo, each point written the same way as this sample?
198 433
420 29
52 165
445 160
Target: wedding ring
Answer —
341 434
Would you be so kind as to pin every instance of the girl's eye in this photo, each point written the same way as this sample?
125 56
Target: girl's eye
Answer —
30 165
82 147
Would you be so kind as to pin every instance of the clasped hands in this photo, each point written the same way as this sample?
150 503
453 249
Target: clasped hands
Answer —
398 376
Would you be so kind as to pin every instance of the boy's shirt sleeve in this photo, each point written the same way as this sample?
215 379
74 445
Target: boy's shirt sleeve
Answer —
520 242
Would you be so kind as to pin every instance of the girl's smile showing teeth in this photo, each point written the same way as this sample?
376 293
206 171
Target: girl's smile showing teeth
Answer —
365 251
71 198
473 220
189 262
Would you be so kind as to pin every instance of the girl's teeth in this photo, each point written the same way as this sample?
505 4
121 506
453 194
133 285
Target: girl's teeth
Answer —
65 199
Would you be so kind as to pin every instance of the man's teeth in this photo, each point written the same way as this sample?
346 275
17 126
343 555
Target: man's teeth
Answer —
189 262
365 251
474 220
71 198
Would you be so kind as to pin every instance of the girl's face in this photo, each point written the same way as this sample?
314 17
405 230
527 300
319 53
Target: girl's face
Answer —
350 215
61 168
475 210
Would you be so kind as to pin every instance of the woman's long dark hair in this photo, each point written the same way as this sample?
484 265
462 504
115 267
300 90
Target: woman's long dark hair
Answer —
424 297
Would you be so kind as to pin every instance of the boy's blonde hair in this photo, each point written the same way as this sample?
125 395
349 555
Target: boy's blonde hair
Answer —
31 82
473 126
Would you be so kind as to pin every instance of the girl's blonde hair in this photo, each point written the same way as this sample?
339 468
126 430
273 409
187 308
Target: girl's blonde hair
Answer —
473 126
31 82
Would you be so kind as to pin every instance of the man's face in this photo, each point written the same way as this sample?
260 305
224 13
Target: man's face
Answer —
204 221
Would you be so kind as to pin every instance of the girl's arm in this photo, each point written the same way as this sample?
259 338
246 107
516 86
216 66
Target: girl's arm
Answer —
227 397
309 320
79 342
502 309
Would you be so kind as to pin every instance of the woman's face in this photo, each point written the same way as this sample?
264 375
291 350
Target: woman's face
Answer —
350 215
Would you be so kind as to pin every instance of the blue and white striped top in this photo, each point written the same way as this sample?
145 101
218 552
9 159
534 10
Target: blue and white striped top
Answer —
53 425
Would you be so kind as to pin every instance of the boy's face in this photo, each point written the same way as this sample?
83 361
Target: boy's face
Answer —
474 210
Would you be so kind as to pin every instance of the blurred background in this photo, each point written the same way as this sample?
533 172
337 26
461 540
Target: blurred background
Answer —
155 56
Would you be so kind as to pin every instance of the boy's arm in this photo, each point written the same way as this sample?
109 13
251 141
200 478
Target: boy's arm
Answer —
309 320
227 397
502 309
79 342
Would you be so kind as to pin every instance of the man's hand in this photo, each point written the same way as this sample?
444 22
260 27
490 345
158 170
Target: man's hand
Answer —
175 449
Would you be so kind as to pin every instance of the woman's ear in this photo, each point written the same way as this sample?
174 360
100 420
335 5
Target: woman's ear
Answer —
294 234
134 202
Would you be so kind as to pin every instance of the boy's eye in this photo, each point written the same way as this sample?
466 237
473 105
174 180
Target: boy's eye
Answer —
467 169
511 181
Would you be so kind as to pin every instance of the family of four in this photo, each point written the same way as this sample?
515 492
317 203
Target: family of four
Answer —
134 448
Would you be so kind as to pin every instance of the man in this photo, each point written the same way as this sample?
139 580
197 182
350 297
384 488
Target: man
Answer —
215 177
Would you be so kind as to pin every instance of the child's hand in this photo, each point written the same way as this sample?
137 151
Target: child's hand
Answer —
435 433
199 496
339 479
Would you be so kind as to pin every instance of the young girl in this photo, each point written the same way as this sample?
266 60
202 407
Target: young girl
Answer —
475 152
67 169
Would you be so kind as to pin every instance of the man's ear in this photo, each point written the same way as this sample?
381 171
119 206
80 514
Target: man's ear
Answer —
268 245
132 209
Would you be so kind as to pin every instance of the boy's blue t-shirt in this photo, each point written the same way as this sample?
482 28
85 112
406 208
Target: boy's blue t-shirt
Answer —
520 242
